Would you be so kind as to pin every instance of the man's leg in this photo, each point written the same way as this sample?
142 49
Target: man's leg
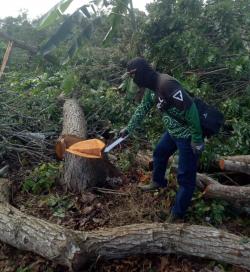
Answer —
164 149
186 177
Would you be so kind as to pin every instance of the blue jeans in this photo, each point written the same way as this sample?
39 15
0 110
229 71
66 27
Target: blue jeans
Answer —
187 168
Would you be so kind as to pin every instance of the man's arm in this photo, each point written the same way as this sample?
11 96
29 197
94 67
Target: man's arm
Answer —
140 112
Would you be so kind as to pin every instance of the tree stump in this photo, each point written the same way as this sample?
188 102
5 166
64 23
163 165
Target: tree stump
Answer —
80 173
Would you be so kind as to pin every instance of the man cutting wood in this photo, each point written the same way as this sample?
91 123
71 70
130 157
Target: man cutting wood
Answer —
183 131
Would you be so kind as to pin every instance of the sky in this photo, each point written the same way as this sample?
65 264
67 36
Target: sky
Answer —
36 8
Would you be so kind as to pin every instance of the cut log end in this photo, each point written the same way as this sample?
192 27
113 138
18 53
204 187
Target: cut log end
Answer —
222 164
64 142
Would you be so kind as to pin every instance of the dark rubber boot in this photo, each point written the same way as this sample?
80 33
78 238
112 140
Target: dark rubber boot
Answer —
152 186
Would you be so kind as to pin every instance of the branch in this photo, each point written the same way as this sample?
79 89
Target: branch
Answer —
204 73
32 49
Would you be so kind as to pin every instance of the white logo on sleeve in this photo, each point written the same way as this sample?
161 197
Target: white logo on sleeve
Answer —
205 115
178 95
159 104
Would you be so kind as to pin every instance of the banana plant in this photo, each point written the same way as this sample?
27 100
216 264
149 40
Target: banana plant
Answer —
54 14
120 8
80 25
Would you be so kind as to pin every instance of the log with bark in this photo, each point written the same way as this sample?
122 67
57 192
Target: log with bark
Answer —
239 158
216 190
237 196
240 164
80 173
76 249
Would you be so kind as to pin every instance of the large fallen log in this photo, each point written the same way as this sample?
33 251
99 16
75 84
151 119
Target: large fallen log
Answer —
240 164
80 173
76 249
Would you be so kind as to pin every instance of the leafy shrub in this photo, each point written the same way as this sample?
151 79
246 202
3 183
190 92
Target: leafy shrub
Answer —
41 179
212 211
59 205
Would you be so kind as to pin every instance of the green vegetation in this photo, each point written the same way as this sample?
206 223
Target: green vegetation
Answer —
204 44
41 179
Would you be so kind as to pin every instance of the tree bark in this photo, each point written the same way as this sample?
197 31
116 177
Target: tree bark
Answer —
216 190
75 249
4 190
238 196
80 173
239 158
235 165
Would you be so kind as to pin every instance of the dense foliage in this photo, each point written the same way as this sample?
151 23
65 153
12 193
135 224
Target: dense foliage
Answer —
204 44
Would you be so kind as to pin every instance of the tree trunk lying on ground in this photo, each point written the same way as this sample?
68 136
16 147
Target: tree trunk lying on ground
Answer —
76 249
80 173
240 164
238 196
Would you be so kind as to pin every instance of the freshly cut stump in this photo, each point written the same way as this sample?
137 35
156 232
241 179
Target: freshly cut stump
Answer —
80 173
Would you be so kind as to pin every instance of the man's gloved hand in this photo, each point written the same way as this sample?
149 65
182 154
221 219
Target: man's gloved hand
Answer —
123 133
198 148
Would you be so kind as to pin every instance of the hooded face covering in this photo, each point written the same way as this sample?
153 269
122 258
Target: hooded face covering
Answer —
145 76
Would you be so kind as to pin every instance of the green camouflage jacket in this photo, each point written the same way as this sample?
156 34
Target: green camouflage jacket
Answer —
181 119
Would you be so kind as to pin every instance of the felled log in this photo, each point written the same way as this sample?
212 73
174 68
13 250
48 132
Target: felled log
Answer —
240 158
4 190
144 159
239 164
238 196
80 173
216 190
76 249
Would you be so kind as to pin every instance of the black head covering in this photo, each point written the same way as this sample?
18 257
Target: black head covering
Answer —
145 75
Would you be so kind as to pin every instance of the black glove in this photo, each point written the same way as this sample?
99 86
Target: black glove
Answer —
123 133
198 148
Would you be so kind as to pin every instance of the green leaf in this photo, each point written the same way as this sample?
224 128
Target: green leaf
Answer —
78 41
238 68
85 11
66 30
116 15
68 83
61 35
55 13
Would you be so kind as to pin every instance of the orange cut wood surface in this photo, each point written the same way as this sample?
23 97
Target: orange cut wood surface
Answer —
88 149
